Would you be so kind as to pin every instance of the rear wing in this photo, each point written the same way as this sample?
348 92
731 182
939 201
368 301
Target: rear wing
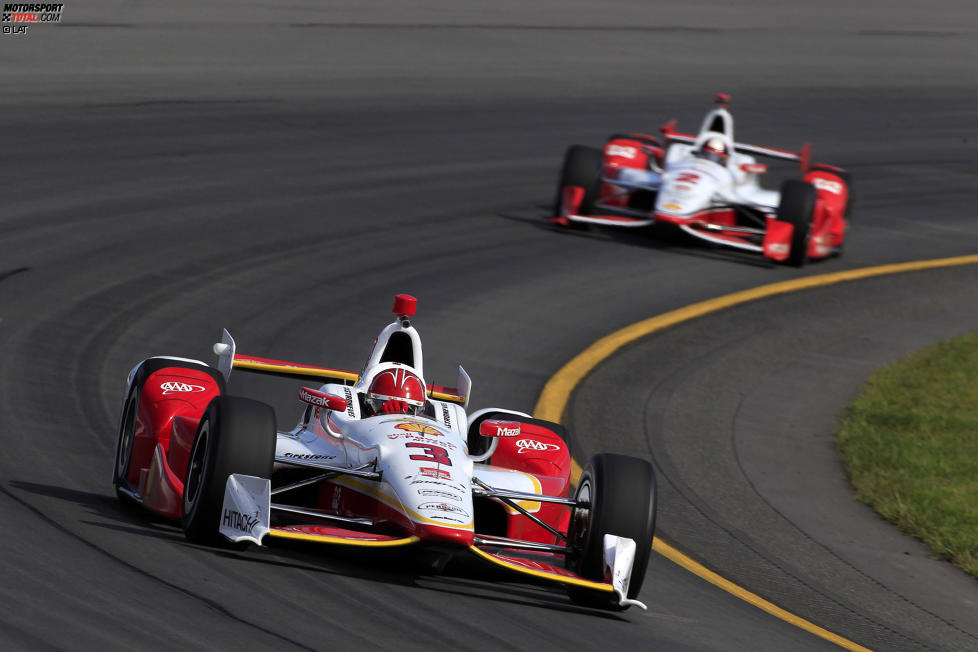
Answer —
229 359
803 156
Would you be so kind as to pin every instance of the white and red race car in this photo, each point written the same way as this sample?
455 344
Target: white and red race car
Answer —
708 186
381 459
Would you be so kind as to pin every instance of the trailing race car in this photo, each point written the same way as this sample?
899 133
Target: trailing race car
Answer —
708 186
382 459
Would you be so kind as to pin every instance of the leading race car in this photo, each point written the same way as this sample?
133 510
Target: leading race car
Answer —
382 459
708 186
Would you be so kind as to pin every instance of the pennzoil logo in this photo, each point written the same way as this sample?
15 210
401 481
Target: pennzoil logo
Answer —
172 388
421 428
445 507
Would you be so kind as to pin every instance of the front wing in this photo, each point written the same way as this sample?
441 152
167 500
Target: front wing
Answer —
246 516
773 241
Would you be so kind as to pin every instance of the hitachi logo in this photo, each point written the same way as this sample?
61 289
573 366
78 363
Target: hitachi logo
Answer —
239 521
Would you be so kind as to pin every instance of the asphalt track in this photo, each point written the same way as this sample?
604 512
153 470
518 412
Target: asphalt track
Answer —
283 170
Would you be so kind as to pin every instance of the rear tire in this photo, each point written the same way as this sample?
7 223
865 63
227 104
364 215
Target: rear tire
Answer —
797 207
235 435
621 494
582 167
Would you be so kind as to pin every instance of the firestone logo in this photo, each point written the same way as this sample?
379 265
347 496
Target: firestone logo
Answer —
170 388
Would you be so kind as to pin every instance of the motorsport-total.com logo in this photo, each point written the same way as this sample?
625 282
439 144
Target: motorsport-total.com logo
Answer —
17 16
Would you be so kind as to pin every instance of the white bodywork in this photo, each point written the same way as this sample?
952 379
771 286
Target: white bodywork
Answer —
689 185
690 188
416 468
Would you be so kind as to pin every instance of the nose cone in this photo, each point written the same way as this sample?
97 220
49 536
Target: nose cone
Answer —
431 533
686 191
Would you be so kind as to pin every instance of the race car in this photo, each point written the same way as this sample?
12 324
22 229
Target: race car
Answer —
382 459
708 186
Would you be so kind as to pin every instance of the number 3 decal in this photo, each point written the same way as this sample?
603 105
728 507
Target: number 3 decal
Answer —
435 454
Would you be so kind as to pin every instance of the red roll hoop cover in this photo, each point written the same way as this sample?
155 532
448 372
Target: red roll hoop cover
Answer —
405 304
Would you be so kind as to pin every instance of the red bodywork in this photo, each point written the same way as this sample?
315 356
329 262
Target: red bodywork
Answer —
171 403
643 152
543 454
828 223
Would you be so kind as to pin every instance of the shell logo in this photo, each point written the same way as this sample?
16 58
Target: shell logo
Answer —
419 428
672 207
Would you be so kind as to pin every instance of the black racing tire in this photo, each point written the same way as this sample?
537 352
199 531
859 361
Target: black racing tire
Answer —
797 207
235 435
620 494
127 421
124 443
479 444
582 167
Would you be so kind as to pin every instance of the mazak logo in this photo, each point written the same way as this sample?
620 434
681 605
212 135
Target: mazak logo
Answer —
24 14
172 388
534 445
316 399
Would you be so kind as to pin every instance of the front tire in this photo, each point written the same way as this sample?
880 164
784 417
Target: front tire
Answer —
582 167
620 494
124 443
128 421
235 435
797 207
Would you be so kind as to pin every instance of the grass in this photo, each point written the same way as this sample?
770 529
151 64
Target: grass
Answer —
910 445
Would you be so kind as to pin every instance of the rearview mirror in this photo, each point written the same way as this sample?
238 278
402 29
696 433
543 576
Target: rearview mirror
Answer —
322 399
496 428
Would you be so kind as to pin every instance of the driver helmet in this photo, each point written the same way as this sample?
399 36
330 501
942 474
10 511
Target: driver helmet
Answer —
714 149
396 390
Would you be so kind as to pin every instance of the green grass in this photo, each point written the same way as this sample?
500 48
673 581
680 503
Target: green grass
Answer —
910 444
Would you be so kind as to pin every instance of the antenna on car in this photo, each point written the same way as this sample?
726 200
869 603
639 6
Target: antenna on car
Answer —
723 99
404 306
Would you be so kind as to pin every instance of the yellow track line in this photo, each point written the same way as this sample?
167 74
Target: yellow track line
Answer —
556 394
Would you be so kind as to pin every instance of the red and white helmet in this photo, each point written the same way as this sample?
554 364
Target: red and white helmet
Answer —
396 383
715 150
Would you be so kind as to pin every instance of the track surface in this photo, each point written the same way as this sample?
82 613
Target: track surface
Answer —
282 171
